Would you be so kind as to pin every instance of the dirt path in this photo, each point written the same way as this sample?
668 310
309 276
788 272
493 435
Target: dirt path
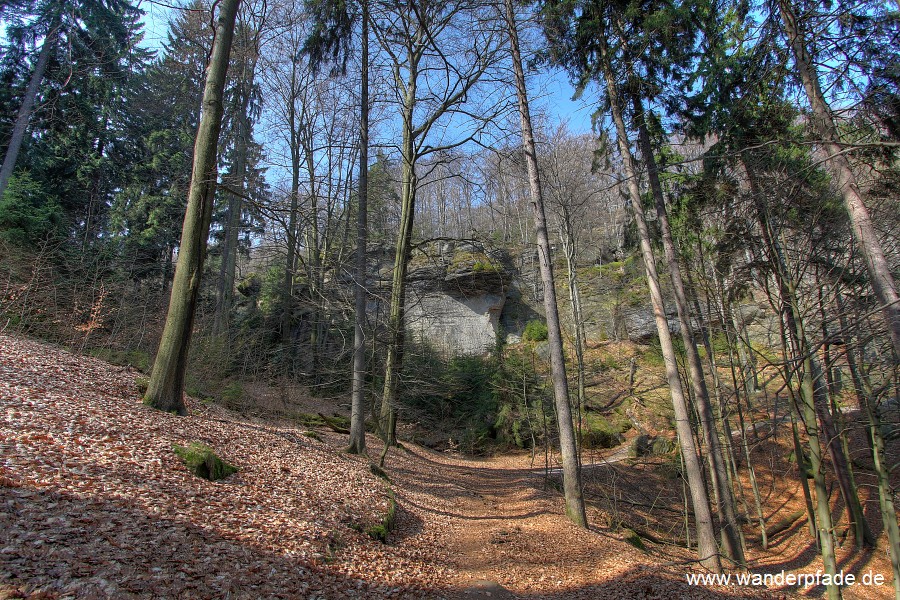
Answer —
506 535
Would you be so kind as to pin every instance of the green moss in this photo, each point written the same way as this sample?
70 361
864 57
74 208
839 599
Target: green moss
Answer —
600 432
388 522
142 384
309 420
379 472
138 359
477 261
312 434
634 539
233 394
203 462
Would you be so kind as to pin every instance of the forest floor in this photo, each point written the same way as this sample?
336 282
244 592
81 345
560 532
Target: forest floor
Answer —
94 503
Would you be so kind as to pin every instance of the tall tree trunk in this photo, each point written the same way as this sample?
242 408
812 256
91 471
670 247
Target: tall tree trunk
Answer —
568 447
812 371
287 285
863 230
238 180
21 125
706 537
314 249
567 237
807 405
876 442
722 309
228 266
166 388
357 443
730 529
396 325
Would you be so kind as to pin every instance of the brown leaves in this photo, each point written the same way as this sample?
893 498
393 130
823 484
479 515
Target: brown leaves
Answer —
94 502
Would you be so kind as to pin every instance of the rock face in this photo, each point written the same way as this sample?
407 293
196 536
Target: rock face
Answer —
455 296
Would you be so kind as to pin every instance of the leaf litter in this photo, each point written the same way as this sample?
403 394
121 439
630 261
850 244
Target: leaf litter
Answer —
94 503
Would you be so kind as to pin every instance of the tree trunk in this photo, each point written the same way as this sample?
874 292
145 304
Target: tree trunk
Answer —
396 325
706 537
863 230
730 530
568 447
238 179
812 380
876 442
228 267
21 125
567 237
357 443
166 388
807 405
287 285
723 308
314 250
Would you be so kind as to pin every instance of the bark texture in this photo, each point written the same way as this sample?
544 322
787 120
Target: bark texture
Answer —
729 528
568 448
707 550
166 388
357 443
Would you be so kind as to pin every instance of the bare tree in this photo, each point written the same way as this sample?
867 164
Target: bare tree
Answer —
568 447
437 54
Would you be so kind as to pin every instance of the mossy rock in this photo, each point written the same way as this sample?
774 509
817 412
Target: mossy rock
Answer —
632 537
203 462
312 434
380 531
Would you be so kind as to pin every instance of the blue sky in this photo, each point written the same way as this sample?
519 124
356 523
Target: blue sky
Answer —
551 93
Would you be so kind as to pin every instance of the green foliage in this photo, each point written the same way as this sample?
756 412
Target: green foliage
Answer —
535 331
203 462
476 403
28 215
233 395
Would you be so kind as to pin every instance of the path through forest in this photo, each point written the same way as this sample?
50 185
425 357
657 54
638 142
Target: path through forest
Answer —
507 535
95 503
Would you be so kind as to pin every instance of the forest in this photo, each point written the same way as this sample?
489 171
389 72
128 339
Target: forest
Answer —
370 235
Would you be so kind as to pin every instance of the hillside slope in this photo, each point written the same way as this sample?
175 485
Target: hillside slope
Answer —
94 503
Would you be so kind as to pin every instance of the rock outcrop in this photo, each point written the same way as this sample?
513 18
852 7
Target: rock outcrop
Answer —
456 293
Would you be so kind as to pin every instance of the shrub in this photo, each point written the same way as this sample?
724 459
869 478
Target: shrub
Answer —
233 395
535 331
203 462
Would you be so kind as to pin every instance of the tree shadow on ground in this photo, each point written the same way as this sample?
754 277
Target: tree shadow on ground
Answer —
65 545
